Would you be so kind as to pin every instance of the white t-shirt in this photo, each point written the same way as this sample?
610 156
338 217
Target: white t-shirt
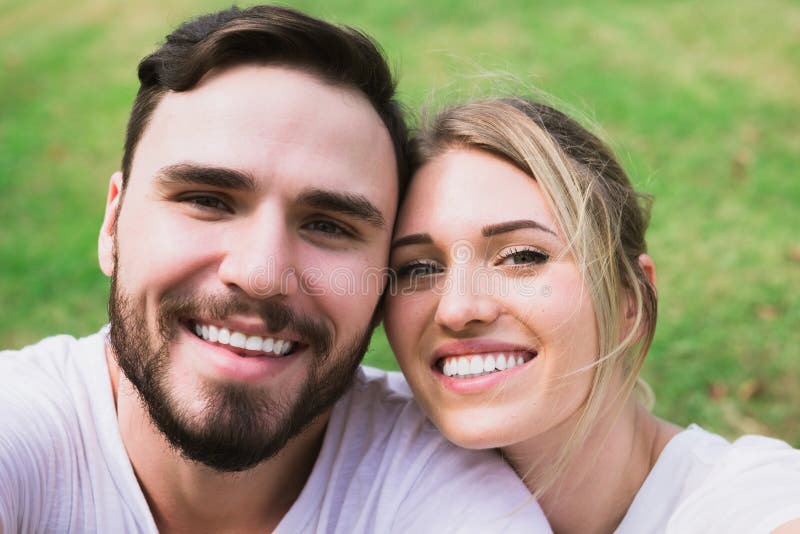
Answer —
382 467
702 484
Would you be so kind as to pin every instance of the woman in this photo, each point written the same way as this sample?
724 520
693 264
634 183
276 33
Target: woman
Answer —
525 305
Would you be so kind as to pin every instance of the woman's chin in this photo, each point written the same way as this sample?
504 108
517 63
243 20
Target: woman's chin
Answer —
469 435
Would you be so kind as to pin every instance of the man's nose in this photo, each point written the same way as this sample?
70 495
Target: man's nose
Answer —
260 257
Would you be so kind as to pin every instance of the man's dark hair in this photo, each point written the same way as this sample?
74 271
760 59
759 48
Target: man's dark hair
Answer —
269 35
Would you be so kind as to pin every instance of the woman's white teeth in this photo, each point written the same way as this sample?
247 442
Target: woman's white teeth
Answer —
476 365
242 341
500 363
480 364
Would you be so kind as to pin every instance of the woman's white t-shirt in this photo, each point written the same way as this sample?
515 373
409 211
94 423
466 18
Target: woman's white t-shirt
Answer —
701 483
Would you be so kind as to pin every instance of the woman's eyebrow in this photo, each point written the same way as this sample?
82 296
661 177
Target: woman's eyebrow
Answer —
413 239
510 226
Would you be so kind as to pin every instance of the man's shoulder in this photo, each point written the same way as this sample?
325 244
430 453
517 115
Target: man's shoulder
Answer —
389 385
381 404
41 384
381 451
50 355
63 466
39 422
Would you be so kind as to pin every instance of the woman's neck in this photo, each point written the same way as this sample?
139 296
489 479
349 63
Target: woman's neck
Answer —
595 491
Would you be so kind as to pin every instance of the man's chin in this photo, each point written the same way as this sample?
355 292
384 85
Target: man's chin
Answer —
236 427
227 424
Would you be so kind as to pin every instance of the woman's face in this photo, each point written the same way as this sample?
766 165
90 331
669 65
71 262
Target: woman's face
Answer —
491 321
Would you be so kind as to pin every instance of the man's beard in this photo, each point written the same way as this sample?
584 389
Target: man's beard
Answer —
240 425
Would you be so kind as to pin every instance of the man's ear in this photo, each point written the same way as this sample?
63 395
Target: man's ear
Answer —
105 243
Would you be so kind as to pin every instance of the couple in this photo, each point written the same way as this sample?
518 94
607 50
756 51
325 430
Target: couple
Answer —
264 165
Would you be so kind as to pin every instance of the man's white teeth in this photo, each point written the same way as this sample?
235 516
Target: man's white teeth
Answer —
238 340
254 343
243 341
224 336
480 364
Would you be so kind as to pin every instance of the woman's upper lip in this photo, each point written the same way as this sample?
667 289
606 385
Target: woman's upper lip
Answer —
477 346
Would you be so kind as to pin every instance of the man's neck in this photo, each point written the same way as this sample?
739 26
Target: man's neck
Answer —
186 496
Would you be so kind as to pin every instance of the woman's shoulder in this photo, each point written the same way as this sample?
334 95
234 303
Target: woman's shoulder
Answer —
703 483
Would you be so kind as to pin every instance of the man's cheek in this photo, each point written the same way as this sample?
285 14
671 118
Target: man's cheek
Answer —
347 291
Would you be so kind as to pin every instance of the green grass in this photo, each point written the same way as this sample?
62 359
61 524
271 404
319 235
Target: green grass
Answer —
701 100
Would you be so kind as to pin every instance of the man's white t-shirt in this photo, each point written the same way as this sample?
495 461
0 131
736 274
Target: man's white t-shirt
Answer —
701 484
382 467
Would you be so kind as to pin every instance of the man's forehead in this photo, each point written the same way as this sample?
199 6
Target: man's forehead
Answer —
272 122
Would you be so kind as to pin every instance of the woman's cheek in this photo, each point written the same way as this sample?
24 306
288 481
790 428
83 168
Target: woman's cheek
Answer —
404 321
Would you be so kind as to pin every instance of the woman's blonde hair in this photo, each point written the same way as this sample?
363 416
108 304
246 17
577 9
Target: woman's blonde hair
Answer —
601 216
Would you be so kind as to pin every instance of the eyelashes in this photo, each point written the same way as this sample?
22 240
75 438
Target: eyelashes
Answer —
516 258
419 268
522 256
206 202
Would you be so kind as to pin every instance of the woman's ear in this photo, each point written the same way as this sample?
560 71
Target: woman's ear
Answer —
649 269
106 241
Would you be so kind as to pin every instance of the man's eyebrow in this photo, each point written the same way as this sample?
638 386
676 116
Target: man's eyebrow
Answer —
510 226
193 174
413 239
351 204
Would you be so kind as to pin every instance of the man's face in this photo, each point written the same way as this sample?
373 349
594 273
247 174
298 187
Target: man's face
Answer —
245 258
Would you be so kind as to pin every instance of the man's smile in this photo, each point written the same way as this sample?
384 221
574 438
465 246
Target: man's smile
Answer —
250 344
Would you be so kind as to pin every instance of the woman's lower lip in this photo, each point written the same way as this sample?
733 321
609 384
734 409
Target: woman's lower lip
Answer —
478 384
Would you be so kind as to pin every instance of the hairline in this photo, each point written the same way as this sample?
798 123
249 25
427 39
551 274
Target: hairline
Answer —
159 92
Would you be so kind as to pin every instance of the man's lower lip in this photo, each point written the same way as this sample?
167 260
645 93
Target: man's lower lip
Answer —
224 362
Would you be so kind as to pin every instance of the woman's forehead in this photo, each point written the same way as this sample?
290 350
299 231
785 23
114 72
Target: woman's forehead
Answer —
463 190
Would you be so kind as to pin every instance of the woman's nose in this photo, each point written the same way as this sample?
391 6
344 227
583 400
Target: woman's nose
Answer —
466 302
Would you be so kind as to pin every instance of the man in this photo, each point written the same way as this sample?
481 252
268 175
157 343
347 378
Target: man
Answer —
264 158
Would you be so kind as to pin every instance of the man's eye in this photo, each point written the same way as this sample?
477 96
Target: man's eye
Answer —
418 269
525 256
207 202
326 227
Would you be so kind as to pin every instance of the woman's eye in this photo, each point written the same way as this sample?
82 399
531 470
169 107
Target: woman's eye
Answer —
418 269
524 257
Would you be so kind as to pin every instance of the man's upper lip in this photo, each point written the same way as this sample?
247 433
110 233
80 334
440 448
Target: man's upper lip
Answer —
477 346
249 327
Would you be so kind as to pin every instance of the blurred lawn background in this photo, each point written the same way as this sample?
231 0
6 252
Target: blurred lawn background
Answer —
701 99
